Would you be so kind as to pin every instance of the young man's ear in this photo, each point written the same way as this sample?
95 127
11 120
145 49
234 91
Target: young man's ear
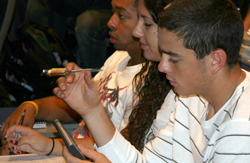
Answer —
219 59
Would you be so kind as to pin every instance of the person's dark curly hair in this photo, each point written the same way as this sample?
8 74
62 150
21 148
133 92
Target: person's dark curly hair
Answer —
151 88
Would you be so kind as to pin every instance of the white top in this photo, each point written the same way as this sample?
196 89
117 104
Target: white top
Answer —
188 137
115 89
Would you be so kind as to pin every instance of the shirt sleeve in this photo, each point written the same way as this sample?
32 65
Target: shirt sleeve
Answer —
120 150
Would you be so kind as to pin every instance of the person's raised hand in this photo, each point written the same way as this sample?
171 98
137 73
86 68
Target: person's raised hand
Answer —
78 90
28 140
90 153
15 117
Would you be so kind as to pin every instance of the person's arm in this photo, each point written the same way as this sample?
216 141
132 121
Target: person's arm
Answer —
48 108
53 107
247 20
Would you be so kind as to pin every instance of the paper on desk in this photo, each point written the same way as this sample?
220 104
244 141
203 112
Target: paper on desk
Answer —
26 158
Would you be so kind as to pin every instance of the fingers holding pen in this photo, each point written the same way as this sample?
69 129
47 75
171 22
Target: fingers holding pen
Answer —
63 82
21 132
69 78
27 140
13 135
22 144
69 83
78 87
72 66
13 144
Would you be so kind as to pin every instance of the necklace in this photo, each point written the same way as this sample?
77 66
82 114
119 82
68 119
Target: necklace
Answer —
207 114
236 84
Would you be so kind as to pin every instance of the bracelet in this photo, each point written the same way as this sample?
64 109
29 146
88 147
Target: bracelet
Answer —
33 103
52 147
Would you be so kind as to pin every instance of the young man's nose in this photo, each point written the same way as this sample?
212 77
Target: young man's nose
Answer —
112 23
164 65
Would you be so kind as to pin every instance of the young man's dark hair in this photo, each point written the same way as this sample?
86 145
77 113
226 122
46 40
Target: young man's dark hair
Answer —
205 28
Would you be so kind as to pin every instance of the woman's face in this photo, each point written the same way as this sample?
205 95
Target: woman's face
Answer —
147 31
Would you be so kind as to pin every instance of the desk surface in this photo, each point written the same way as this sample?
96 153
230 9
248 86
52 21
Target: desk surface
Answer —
5 113
51 131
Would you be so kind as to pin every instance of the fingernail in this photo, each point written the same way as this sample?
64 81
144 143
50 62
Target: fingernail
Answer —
16 143
13 147
18 152
11 141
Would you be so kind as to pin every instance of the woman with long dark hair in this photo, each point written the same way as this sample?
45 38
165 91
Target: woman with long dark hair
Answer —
151 85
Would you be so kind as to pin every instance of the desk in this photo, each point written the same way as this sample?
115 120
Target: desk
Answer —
5 113
50 131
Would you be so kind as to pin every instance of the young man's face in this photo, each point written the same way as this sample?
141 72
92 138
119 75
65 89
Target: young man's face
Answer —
187 74
122 23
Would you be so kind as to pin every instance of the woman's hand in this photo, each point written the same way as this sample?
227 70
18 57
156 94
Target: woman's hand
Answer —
28 140
90 153
78 90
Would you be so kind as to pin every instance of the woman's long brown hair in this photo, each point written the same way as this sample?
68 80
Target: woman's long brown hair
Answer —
151 88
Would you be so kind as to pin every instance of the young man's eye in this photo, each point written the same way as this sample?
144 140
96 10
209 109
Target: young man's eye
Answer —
147 25
121 16
173 61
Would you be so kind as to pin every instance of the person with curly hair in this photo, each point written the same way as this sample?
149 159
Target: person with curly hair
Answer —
153 91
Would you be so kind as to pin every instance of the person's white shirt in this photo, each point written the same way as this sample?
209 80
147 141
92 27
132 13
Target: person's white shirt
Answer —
116 90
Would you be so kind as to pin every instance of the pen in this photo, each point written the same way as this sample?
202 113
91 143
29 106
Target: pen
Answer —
63 71
20 123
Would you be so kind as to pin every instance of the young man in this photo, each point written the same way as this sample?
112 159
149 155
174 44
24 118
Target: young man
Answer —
115 76
200 41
